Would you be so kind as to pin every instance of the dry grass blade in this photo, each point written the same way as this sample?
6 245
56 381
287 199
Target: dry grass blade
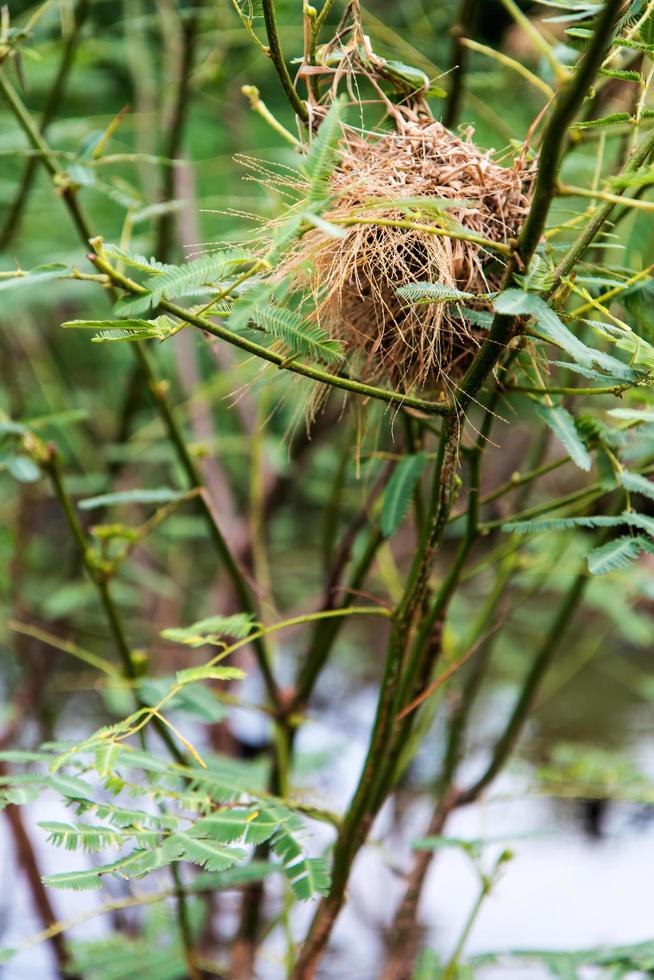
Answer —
354 279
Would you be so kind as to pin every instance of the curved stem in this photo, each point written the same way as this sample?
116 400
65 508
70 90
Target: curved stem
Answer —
55 94
464 26
277 58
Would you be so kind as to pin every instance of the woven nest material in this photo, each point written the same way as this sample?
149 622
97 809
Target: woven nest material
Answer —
354 280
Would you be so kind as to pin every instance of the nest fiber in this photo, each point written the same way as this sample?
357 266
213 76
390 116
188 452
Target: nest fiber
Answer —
354 279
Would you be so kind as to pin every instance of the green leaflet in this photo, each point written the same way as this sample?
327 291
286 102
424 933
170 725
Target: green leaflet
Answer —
193 674
639 350
205 270
159 495
23 469
432 292
41 273
136 261
226 825
515 302
70 787
632 519
299 335
211 629
323 152
399 491
207 854
636 958
539 276
430 205
617 554
126 330
562 424
639 415
78 881
332 230
623 76
613 119
307 876
182 280
106 756
87 837
637 483
134 865
411 79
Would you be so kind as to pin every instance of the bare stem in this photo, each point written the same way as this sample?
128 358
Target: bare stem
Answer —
277 58
460 30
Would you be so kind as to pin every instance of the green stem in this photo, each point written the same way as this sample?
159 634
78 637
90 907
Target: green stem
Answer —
566 104
365 802
155 387
189 32
277 58
325 636
516 482
55 95
459 31
463 236
567 190
194 479
526 699
451 969
601 215
285 363
49 460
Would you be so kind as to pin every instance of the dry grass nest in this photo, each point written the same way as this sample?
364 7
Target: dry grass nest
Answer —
354 280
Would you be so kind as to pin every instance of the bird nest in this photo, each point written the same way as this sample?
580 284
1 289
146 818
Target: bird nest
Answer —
390 191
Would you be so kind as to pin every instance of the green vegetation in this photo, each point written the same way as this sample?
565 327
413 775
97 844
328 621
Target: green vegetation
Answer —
304 395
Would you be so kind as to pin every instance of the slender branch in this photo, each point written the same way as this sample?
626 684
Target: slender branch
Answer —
189 32
323 638
576 251
55 95
516 482
251 92
511 63
568 190
306 370
277 58
156 388
539 42
27 862
463 236
567 390
251 347
374 776
566 105
459 31
530 688
194 478
48 458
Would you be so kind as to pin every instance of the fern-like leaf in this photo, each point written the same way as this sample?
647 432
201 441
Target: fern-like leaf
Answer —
637 483
399 491
301 337
323 152
208 854
562 424
616 555
309 877
77 881
432 292
206 270
135 261
212 630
